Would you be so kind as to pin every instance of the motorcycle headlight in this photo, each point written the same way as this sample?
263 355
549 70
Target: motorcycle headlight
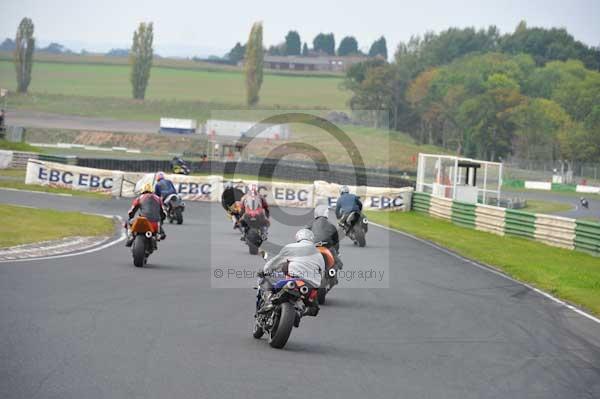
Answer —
290 285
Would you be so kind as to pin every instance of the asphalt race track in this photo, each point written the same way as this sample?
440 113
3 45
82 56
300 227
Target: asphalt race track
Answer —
94 326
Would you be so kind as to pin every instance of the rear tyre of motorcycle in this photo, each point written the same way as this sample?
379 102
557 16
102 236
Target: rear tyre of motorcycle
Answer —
359 235
139 250
321 294
252 240
178 216
257 331
282 330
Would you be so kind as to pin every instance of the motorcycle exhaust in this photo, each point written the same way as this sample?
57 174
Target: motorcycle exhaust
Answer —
290 285
304 290
365 221
331 272
148 234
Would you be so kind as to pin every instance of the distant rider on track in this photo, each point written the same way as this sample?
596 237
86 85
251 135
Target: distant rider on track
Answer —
346 204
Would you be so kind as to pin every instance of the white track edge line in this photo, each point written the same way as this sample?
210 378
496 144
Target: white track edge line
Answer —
492 270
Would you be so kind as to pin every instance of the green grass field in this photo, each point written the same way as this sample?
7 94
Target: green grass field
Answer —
174 84
26 225
571 275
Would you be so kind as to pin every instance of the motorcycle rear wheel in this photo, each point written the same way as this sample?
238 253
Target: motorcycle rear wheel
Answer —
138 250
283 328
178 216
359 235
321 295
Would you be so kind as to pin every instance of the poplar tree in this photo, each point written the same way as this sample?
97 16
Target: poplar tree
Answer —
24 47
253 64
140 58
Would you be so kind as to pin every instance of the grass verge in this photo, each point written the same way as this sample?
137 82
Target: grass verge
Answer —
570 275
45 189
26 225
537 206
12 146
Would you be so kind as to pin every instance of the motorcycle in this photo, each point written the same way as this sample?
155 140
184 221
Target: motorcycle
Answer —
281 308
355 226
181 169
584 203
255 223
175 207
329 275
145 240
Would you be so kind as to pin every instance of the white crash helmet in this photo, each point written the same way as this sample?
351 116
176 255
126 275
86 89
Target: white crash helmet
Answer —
344 190
305 235
321 211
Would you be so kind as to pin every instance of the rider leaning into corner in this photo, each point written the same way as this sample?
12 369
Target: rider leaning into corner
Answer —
300 260
323 230
347 203
150 207
252 200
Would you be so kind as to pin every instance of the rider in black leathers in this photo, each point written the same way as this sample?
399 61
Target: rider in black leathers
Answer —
323 230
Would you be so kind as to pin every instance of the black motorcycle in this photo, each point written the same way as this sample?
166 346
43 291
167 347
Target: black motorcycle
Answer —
175 207
255 225
281 308
584 203
355 225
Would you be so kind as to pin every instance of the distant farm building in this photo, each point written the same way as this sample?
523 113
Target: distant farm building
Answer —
321 63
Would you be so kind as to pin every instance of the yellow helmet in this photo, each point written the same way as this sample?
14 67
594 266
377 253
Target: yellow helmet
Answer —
147 188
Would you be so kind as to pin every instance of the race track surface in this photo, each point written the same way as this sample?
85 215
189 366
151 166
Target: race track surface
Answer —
94 326
27 118
576 211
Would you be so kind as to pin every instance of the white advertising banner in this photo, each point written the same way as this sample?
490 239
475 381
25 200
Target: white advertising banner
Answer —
538 185
5 159
587 189
71 177
210 188
373 198
299 195
191 188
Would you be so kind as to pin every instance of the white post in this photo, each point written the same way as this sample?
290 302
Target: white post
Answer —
485 165
420 172
454 178
499 184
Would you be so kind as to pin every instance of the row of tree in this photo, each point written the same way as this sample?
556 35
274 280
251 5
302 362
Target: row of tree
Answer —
323 43
533 93
140 55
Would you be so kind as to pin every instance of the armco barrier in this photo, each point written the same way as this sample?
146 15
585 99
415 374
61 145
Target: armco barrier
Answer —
587 237
421 202
463 214
519 223
555 230
552 230
490 218
441 207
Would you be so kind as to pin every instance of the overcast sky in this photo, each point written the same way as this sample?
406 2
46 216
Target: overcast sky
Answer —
187 28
